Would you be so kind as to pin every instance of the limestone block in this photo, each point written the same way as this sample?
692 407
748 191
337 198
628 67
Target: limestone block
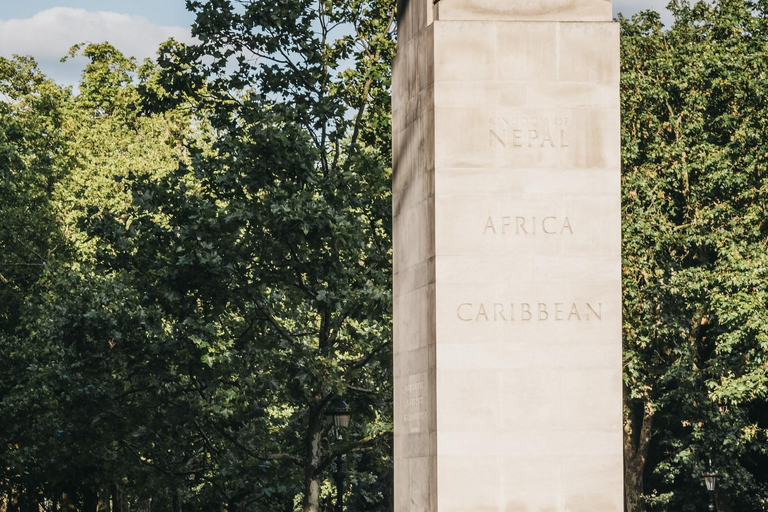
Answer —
528 10
413 17
524 224
530 311
531 399
527 52
417 240
414 277
529 354
465 51
468 400
592 398
469 484
531 484
591 485
524 138
415 314
572 94
420 483
453 94
589 52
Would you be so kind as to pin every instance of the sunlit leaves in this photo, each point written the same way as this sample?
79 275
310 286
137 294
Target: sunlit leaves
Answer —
695 234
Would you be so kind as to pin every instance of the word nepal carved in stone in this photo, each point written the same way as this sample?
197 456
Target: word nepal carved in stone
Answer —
529 132
551 225
530 312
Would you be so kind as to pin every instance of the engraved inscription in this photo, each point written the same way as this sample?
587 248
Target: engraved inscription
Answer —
530 312
530 132
415 402
519 225
411 417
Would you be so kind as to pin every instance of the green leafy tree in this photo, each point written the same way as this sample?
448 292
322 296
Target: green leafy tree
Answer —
267 251
214 259
77 390
695 261
32 113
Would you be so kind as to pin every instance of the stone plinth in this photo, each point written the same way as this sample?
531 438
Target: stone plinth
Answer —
507 240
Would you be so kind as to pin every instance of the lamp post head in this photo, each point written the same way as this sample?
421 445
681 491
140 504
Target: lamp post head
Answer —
710 478
340 413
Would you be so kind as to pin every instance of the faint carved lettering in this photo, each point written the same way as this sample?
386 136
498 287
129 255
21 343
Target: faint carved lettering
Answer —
597 312
567 225
558 312
526 312
517 138
544 225
464 307
505 221
500 140
529 132
548 225
520 225
489 225
498 312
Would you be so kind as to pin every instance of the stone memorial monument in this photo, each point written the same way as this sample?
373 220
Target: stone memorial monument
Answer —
507 255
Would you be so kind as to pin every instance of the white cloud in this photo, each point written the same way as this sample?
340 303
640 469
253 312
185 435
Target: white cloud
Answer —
630 7
49 34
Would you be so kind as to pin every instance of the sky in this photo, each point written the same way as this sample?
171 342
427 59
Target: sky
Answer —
46 29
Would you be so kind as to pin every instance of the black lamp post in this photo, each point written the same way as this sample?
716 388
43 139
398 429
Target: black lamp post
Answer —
710 480
340 414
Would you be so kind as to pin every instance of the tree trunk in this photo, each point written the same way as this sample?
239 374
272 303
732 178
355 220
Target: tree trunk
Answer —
69 502
637 439
90 500
118 500
311 479
176 502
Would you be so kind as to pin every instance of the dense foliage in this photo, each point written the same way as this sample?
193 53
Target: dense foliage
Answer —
196 263
695 182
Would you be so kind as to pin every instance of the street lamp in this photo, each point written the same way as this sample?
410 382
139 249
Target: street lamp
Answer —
340 414
710 480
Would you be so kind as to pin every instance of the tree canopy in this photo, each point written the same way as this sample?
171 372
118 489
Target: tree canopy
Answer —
223 272
695 260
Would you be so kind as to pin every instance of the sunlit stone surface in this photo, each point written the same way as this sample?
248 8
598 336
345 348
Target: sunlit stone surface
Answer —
525 10
507 257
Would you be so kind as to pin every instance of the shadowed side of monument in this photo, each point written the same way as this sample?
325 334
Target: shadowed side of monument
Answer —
507 240
414 259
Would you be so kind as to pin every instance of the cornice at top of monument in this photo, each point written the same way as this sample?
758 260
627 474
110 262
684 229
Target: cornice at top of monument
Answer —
524 10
